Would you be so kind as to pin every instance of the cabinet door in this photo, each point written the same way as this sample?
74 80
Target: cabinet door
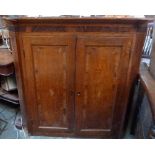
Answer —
101 75
49 83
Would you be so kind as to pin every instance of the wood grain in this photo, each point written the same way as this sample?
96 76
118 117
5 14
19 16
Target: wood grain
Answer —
52 80
6 62
99 75
75 75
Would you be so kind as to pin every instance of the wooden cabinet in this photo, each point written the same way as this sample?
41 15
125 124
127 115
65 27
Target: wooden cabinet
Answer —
75 75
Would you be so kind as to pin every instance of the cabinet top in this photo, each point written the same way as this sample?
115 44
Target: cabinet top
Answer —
72 19
77 24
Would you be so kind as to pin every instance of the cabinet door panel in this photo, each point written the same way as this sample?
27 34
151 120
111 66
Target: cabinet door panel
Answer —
49 63
101 70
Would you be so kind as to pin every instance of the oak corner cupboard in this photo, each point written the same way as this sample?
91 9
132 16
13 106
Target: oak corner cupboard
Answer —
75 74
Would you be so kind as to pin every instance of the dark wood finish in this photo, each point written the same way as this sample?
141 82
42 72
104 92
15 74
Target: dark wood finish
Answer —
75 74
98 83
5 57
6 62
145 122
148 83
11 97
1 40
7 69
146 104
51 60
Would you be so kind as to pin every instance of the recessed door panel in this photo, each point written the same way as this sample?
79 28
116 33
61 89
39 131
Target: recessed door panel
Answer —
50 65
100 63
